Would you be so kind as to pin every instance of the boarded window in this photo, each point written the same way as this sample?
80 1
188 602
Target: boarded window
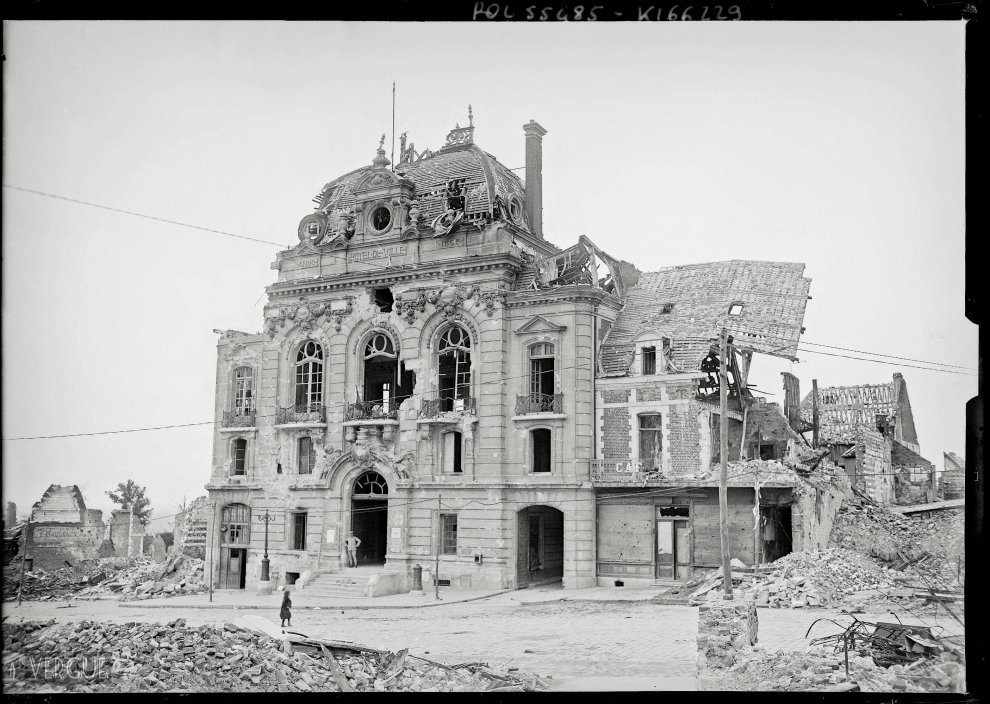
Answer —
240 457
649 360
307 456
452 443
650 440
541 450
298 531
448 533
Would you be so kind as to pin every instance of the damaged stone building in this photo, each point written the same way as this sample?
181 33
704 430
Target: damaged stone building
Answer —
869 430
437 377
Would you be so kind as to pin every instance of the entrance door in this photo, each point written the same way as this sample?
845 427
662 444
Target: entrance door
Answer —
370 524
665 549
233 572
682 550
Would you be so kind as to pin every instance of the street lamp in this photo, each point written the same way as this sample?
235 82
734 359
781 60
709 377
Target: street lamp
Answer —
264 585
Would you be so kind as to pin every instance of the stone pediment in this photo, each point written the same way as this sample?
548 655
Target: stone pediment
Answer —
377 178
538 324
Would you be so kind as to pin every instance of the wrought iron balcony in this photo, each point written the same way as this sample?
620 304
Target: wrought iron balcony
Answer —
434 407
624 471
305 413
369 410
539 403
241 418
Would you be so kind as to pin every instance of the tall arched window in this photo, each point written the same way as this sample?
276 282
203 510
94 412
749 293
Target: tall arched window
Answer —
243 391
309 377
454 367
380 371
541 380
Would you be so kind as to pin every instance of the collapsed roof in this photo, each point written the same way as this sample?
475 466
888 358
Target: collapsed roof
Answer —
583 263
762 305
844 410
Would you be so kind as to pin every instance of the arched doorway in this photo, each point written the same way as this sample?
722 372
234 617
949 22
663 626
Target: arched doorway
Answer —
369 517
539 546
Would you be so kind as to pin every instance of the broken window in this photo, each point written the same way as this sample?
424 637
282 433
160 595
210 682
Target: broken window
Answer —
299 531
454 368
541 371
768 452
455 193
650 441
371 483
448 533
452 442
381 218
380 371
243 391
541 449
239 453
736 308
674 511
236 524
649 360
309 377
307 455
383 299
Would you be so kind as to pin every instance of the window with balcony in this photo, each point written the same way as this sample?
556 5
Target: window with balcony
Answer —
307 455
380 372
309 377
650 441
454 369
540 441
649 360
243 390
239 456
541 367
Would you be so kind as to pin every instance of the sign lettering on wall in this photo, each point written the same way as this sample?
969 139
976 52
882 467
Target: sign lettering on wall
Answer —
396 250
308 262
452 242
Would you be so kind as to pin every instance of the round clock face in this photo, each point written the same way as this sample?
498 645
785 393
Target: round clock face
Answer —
381 218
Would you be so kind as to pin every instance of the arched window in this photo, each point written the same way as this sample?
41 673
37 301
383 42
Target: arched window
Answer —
454 368
309 377
371 483
243 391
236 524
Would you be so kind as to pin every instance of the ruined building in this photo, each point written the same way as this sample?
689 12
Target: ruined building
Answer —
869 429
62 530
437 377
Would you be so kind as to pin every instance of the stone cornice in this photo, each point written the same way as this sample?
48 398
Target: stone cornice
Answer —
519 299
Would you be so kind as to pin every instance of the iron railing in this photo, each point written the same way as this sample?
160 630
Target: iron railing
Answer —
433 407
369 410
241 418
305 413
624 471
539 403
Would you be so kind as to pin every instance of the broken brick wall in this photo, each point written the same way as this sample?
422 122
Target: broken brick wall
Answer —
61 529
616 433
874 466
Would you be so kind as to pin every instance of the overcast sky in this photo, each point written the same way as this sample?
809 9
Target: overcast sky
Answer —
840 145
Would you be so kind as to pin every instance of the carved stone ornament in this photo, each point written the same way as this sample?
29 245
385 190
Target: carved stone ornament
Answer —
305 314
373 456
240 352
447 222
337 316
450 299
490 298
325 460
406 308
313 228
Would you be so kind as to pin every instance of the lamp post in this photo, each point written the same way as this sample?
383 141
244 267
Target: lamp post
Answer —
265 585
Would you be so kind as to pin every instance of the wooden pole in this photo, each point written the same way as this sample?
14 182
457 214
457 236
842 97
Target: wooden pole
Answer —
723 475
814 413
756 522
436 569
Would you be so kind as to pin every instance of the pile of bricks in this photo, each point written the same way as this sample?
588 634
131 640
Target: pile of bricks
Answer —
885 535
818 670
725 627
90 656
179 575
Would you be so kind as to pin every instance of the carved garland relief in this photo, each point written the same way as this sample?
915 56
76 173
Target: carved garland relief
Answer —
307 313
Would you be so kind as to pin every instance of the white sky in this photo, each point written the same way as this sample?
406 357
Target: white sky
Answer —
840 145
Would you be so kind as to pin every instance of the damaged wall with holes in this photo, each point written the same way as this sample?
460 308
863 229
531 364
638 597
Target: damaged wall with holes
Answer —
62 530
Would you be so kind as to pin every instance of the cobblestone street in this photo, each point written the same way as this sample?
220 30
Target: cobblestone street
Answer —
583 645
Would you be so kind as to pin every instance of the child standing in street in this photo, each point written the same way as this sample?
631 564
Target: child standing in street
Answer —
285 614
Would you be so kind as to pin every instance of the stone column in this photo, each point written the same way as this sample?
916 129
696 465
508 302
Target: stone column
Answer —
120 531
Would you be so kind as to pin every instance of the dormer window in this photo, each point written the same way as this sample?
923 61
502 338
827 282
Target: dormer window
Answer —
649 360
736 308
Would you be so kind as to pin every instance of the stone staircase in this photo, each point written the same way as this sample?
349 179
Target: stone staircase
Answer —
356 583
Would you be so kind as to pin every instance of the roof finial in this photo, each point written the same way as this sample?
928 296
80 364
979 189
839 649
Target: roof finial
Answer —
470 116
381 143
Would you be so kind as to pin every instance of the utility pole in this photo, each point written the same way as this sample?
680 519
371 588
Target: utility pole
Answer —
814 413
436 569
723 475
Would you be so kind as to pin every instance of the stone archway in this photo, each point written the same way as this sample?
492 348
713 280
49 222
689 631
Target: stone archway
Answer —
539 545
369 517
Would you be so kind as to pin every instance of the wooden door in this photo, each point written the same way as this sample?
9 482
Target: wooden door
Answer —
665 549
682 550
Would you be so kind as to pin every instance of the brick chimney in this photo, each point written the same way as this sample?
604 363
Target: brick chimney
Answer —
534 176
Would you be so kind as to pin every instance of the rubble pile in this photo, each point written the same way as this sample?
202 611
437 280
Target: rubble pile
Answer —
130 578
813 578
148 657
817 669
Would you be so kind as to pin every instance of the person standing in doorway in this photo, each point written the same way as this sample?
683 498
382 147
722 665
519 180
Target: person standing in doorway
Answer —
284 613
352 543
